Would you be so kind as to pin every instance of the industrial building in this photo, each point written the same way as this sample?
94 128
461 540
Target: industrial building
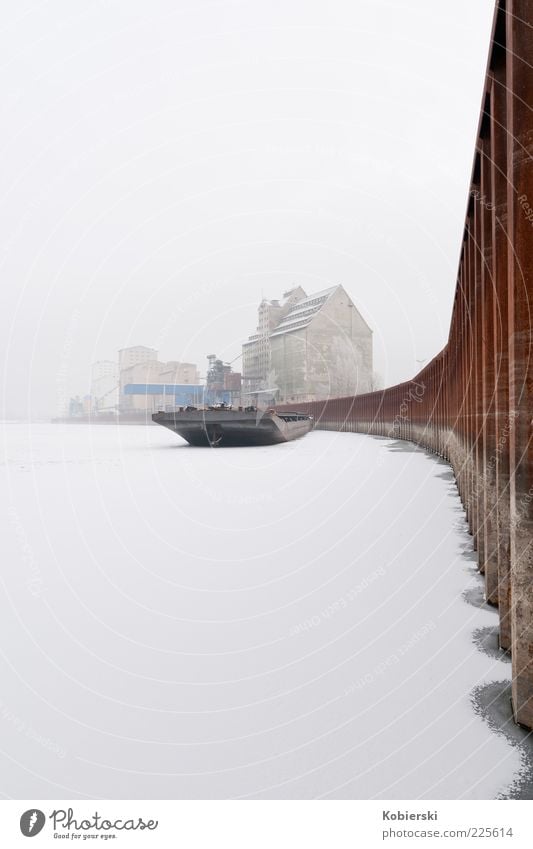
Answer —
104 386
139 384
309 347
223 385
147 385
135 355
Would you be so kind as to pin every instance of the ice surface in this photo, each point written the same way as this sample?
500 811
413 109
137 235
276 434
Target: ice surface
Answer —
278 622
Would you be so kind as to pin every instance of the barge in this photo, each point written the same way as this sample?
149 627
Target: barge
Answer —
225 426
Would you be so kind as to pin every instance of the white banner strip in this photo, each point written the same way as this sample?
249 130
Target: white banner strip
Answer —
267 824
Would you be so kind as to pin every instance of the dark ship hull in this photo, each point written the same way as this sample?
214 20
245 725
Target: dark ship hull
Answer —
221 428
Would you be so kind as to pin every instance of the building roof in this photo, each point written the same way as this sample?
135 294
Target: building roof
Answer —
137 348
303 312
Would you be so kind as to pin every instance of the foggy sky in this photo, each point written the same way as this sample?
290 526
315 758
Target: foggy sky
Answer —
165 164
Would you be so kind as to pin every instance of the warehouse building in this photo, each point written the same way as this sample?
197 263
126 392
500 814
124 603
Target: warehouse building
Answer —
147 385
309 347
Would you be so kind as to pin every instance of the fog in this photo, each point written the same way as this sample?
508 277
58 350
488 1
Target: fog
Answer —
166 164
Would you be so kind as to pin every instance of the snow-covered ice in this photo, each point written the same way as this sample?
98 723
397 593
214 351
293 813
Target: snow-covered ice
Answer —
278 622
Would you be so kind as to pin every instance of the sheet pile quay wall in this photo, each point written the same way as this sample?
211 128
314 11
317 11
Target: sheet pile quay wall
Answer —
473 404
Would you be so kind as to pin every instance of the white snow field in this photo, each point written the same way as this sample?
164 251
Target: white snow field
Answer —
279 622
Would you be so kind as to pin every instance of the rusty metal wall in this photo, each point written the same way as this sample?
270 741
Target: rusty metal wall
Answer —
473 404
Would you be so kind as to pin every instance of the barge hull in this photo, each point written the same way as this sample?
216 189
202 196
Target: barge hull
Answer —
212 428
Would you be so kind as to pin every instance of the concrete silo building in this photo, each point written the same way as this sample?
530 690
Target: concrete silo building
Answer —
309 347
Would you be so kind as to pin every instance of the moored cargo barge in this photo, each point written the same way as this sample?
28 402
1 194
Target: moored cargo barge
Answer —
227 427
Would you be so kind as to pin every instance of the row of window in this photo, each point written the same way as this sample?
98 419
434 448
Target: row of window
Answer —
291 326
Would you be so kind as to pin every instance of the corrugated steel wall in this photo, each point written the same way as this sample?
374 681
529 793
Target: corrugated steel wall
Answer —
473 403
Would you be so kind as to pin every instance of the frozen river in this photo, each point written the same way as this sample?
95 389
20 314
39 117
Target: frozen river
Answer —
278 622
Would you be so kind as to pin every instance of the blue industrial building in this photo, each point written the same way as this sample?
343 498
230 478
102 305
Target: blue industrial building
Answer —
169 394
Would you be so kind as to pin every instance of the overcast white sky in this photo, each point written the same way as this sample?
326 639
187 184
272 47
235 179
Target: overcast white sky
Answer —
164 164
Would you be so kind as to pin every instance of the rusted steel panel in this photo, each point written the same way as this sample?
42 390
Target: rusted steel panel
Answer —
488 474
502 418
469 390
478 501
520 269
460 405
